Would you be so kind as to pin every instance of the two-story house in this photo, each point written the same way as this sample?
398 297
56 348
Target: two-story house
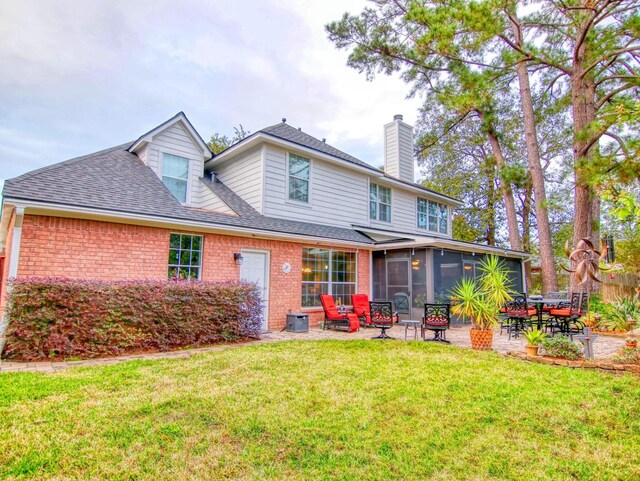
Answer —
280 208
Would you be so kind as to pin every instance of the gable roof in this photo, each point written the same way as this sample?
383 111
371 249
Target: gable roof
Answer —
289 134
181 118
117 181
286 132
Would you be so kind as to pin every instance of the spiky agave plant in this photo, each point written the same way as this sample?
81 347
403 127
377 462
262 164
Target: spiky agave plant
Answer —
472 303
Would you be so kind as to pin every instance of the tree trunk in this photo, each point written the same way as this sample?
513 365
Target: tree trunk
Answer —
505 187
547 265
491 202
526 229
586 203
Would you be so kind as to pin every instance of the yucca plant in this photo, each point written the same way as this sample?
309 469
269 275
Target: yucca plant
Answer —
495 281
480 300
473 304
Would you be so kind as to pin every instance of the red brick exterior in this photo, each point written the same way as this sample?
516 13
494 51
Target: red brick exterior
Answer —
76 248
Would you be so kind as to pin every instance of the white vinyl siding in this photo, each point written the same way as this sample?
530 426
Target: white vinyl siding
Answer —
208 200
339 195
176 141
406 153
243 175
398 141
404 211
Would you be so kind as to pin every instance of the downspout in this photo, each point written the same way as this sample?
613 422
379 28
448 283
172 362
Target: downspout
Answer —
14 255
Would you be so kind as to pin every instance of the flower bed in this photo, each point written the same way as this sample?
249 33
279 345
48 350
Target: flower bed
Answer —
605 365
62 318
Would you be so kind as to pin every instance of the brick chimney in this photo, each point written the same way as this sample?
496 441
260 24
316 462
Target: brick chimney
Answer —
398 149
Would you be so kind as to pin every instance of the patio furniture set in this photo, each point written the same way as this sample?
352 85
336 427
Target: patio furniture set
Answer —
555 314
383 315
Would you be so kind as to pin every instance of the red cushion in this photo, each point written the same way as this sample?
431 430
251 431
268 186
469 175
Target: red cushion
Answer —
436 321
566 312
532 311
333 313
354 322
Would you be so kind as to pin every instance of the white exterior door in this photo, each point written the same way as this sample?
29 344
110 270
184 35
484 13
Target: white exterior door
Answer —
255 268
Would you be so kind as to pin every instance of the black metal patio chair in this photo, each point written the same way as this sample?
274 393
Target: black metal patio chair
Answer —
437 318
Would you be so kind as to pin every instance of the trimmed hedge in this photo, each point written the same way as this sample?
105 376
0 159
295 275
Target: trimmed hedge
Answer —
61 318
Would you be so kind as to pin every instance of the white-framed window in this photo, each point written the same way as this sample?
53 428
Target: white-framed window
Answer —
299 170
185 256
326 271
379 203
432 216
422 213
175 175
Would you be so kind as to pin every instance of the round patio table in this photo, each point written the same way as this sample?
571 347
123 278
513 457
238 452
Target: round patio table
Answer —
540 303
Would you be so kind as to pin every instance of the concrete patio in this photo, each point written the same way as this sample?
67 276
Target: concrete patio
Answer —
604 347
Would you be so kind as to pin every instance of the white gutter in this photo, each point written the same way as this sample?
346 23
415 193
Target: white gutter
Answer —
254 140
442 243
14 256
170 222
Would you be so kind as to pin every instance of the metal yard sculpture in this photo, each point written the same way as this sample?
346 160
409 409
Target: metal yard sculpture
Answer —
585 259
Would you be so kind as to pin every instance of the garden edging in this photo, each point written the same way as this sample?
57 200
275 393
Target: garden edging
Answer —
601 365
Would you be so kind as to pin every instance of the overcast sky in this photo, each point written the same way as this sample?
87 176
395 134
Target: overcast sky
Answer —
78 76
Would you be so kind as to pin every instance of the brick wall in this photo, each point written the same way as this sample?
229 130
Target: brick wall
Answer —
54 246
77 248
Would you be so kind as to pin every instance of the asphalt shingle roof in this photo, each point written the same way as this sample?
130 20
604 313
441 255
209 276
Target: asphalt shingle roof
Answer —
286 132
117 180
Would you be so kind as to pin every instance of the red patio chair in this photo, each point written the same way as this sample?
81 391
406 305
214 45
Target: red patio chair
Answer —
566 318
360 303
334 318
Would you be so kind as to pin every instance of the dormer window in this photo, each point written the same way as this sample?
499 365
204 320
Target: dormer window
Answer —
379 203
433 216
299 169
175 175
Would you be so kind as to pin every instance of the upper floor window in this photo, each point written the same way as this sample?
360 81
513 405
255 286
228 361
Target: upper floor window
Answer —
379 203
433 216
299 168
175 172
185 256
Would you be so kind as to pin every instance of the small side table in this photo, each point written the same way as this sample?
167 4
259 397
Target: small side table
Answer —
410 325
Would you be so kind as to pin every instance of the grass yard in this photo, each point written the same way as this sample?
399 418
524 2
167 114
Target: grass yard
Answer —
357 410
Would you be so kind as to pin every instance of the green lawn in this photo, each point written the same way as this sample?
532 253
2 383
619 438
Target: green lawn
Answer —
322 410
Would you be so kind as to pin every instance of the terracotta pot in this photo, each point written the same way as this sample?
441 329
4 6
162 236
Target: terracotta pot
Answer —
532 350
481 340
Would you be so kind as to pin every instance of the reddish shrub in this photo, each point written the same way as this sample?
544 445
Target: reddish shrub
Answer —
59 317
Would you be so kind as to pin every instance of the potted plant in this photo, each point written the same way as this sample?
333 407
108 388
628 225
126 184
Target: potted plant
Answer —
631 342
534 338
480 300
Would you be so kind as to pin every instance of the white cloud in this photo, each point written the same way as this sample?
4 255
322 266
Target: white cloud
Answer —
80 76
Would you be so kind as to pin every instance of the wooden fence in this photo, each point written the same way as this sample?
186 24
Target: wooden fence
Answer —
621 285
